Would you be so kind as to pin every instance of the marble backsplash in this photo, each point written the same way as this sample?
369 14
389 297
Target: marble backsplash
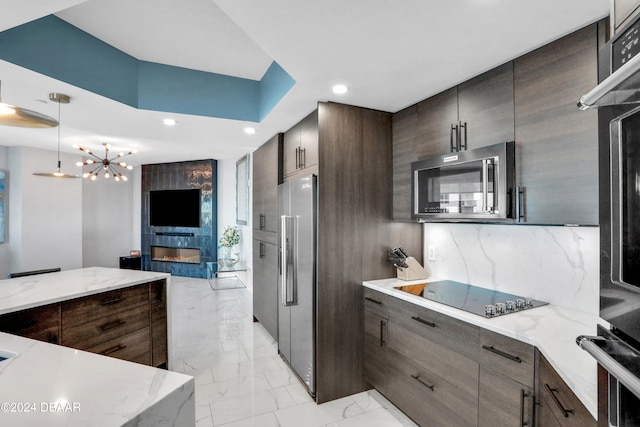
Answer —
559 265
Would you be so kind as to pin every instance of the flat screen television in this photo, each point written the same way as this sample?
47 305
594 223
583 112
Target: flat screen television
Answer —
174 208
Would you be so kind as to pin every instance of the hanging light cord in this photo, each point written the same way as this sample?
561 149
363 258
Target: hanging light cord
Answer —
58 136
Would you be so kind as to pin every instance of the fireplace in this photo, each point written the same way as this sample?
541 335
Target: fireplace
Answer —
168 254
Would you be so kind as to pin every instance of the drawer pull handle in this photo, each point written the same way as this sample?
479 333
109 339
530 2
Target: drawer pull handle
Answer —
113 349
112 325
421 381
375 301
552 392
502 353
112 301
424 322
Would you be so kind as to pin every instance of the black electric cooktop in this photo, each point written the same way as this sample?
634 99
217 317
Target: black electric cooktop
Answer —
473 299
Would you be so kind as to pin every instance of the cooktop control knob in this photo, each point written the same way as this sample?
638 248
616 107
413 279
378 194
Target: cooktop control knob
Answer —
489 310
509 306
500 309
520 304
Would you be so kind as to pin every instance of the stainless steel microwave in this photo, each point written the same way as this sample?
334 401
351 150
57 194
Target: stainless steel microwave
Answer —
474 185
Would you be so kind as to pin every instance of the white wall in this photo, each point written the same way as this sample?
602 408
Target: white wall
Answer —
227 215
559 265
45 214
107 221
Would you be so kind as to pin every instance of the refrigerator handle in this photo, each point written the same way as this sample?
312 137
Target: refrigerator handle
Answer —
286 260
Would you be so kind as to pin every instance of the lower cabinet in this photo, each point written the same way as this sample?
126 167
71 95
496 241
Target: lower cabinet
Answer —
128 323
444 372
375 348
265 284
557 405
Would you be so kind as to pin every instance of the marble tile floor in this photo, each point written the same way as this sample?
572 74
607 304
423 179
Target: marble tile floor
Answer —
241 381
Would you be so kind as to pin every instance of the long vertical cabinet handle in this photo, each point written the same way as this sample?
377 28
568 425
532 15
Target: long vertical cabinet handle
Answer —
462 139
261 249
523 396
303 158
519 210
382 325
454 137
297 158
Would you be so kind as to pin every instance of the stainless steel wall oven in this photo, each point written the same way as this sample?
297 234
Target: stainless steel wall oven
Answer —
617 349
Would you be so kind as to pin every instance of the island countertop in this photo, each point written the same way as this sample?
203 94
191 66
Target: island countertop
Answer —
26 292
552 329
50 385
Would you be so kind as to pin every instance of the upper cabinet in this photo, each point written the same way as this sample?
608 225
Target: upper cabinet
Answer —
473 114
556 143
531 100
266 176
300 148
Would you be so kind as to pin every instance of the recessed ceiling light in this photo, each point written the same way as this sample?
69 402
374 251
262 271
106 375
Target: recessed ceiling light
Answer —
169 122
339 89
249 130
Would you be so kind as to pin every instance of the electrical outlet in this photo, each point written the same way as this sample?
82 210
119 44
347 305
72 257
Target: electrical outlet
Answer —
431 253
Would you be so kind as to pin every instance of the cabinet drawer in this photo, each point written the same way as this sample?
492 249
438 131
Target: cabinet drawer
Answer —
86 309
461 337
86 335
512 358
40 323
376 302
556 397
428 398
133 347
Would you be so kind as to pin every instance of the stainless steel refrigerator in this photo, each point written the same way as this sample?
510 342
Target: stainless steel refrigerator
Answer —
297 209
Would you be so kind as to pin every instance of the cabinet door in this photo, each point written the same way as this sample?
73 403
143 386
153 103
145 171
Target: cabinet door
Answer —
485 106
557 400
420 131
503 401
309 140
266 176
158 303
557 144
291 150
265 285
375 354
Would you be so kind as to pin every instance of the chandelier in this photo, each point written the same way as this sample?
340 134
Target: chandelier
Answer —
107 166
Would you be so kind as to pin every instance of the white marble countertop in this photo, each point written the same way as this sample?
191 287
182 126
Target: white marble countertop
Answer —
551 328
50 385
34 291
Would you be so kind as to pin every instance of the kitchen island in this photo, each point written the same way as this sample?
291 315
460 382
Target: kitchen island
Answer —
550 328
47 384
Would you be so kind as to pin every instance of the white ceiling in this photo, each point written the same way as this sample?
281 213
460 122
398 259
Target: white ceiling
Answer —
390 54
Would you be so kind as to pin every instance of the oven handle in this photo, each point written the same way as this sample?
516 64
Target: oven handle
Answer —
614 368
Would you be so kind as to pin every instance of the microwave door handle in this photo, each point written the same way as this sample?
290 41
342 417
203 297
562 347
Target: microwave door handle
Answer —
485 185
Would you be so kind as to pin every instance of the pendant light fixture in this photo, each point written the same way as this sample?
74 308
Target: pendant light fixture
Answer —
11 115
107 166
60 99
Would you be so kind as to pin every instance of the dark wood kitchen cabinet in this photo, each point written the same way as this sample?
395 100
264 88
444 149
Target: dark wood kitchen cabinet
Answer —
39 323
473 114
128 323
556 143
432 366
267 173
557 405
300 148
265 282
506 387
376 317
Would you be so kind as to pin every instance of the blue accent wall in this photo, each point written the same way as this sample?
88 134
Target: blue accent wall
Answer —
53 47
